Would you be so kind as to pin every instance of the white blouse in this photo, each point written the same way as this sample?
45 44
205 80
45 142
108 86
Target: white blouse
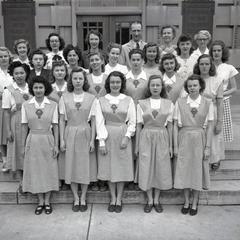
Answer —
56 87
97 79
155 104
102 133
39 106
77 98
186 66
5 80
120 68
225 72
169 81
142 75
8 100
193 104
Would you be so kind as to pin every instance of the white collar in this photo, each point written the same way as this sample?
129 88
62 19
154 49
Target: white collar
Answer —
55 86
16 87
168 80
198 52
45 101
196 101
142 75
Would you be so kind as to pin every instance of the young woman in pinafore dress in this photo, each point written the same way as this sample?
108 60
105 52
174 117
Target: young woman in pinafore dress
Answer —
192 142
154 143
40 132
172 80
13 97
115 127
5 80
77 134
214 92
96 80
59 76
136 87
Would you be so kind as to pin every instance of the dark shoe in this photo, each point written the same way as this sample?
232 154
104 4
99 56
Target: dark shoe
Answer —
158 207
111 207
193 212
215 166
75 208
148 208
39 209
83 208
118 208
185 210
48 209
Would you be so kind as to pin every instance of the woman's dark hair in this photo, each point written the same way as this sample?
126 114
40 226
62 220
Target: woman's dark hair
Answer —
212 70
16 64
116 74
168 56
101 57
225 50
151 44
69 48
18 41
184 38
59 64
37 52
40 79
98 34
135 51
163 93
70 86
61 40
112 45
169 26
195 77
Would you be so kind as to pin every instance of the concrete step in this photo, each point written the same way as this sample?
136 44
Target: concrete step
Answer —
221 193
225 174
232 154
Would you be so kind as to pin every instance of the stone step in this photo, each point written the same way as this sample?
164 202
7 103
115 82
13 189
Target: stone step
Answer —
230 164
221 193
232 154
225 174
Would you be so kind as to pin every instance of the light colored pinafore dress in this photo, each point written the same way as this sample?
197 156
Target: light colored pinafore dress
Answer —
154 159
191 170
80 165
40 173
117 164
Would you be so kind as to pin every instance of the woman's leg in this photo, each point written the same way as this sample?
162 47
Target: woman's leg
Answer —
195 199
112 188
186 192
120 187
47 198
150 196
40 199
74 188
148 207
84 188
156 196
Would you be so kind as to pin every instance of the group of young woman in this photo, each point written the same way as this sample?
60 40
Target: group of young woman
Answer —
83 118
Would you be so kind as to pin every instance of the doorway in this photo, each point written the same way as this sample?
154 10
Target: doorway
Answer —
113 28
